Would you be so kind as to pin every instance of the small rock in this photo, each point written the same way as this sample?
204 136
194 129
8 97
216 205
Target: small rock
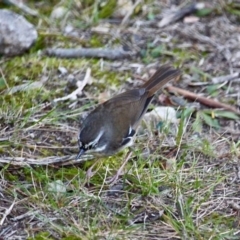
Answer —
57 186
58 12
162 113
62 70
16 34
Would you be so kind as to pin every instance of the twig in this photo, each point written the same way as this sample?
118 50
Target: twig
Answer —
63 161
115 53
206 101
7 212
78 91
179 14
191 33
225 78
25 215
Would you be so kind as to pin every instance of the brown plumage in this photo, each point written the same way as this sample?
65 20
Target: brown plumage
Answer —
112 125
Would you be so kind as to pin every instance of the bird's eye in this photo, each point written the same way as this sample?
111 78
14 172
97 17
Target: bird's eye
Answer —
83 146
87 146
91 146
94 145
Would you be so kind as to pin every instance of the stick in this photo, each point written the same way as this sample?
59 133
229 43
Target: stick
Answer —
225 78
80 84
180 13
115 53
63 161
206 101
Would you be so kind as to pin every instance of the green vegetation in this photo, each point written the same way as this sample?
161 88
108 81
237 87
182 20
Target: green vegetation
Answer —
180 182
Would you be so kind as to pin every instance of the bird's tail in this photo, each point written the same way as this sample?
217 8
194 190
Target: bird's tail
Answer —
163 75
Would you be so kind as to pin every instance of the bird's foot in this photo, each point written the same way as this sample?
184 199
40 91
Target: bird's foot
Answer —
114 179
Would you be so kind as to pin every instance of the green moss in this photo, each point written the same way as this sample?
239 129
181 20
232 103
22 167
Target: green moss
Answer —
96 41
10 176
107 8
108 78
219 218
87 3
71 237
42 236
27 67
32 67
185 54
68 173
39 44
48 39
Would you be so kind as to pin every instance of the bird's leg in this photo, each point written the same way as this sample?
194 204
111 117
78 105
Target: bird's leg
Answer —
91 173
119 172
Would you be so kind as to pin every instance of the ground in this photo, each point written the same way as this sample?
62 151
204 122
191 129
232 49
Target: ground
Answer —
182 181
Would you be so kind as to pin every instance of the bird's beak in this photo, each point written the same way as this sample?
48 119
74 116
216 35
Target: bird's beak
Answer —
81 152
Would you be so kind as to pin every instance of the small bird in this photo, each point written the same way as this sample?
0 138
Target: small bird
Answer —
112 125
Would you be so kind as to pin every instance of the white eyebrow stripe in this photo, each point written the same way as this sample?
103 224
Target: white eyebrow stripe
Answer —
96 139
130 130
100 149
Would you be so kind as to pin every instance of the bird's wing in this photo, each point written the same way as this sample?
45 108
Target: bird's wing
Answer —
131 105
127 97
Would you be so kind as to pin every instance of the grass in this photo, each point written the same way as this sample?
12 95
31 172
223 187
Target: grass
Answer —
158 197
178 185
182 199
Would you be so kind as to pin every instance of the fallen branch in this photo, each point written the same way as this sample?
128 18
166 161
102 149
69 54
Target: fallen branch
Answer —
181 13
63 161
115 53
206 101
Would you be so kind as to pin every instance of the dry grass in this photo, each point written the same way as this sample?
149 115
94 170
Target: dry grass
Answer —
182 181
